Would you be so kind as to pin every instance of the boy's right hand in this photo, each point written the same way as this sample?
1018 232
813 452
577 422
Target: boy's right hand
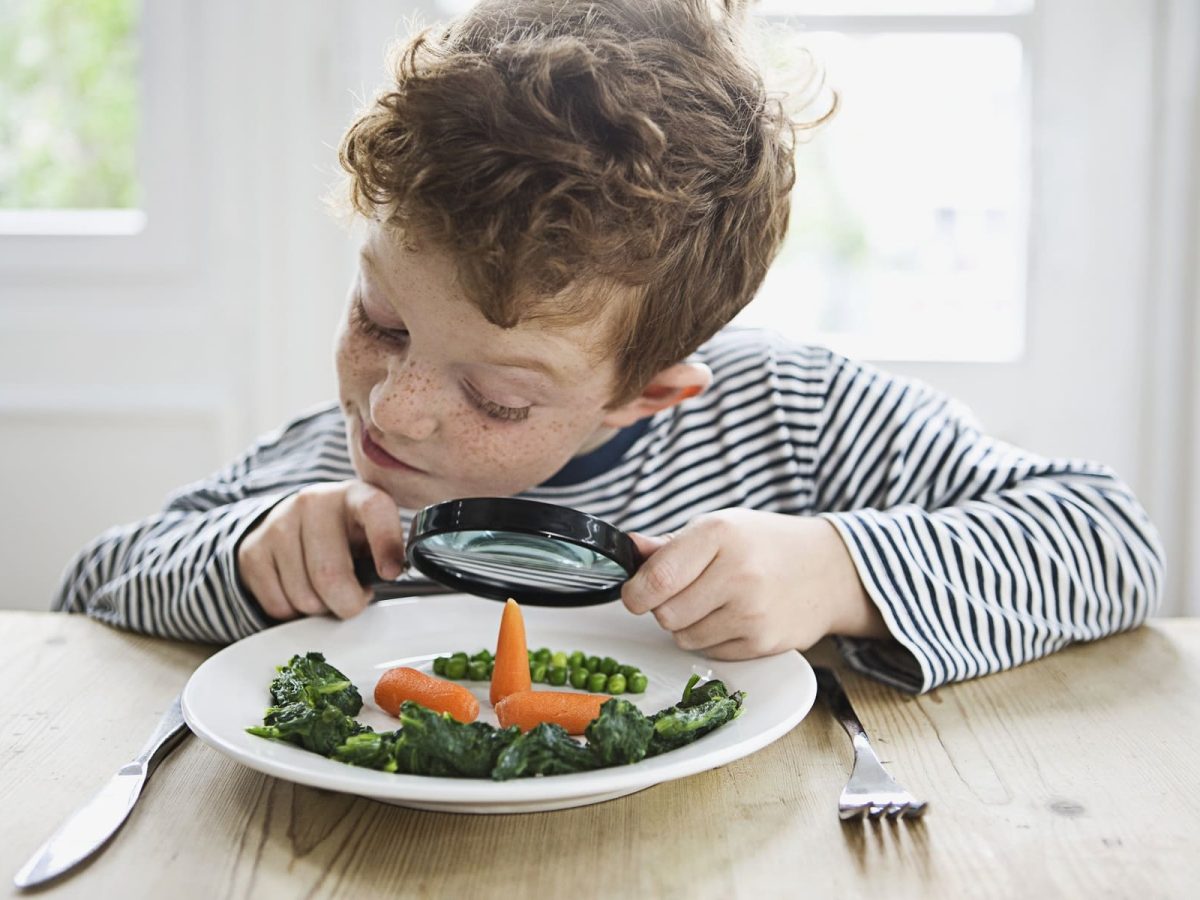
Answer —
299 560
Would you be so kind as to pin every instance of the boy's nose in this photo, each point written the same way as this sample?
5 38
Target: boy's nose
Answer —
403 405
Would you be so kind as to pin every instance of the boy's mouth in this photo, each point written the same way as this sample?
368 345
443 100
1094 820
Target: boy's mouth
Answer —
381 457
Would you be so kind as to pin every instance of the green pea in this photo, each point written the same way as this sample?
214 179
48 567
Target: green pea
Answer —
557 675
439 665
538 673
626 670
608 665
575 660
456 667
459 655
542 655
616 683
579 677
596 682
481 656
491 665
637 683
477 670
592 663
559 659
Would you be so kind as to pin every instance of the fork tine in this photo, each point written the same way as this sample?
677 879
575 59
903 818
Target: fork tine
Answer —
914 810
846 813
895 810
875 811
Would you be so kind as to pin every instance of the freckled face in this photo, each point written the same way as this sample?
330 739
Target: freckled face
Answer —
440 403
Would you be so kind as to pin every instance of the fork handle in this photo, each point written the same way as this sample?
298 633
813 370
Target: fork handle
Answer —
839 705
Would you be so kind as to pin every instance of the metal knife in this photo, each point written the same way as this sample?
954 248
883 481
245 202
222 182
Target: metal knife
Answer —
90 827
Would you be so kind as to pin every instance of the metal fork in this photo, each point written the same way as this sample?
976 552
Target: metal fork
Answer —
871 791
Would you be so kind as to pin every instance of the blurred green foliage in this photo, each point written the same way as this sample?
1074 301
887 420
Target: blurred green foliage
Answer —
68 104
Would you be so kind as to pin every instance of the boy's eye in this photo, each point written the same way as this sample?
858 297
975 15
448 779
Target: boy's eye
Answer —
495 410
373 329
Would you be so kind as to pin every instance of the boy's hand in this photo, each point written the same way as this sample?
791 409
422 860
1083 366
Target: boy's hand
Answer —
299 559
740 583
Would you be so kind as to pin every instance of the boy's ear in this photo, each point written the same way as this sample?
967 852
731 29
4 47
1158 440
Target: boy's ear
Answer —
669 387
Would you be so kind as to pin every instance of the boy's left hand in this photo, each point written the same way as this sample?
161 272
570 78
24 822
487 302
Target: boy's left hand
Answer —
741 583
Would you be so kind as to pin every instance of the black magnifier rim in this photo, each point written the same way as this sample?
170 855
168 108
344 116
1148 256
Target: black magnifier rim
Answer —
532 517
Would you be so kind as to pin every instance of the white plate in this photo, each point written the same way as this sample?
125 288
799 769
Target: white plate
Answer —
230 691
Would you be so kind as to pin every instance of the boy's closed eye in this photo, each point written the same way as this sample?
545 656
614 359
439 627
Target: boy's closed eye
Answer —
399 337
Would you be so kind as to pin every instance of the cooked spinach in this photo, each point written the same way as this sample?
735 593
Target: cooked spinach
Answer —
432 743
319 728
314 705
310 679
546 749
620 734
369 749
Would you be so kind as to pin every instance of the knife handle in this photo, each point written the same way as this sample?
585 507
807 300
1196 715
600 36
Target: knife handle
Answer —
170 731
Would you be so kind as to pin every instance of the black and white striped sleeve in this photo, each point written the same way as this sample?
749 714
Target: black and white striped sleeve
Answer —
174 574
978 555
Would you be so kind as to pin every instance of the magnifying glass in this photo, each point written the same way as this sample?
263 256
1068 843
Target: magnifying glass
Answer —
537 553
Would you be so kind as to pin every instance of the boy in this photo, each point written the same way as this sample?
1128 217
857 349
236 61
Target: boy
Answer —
565 204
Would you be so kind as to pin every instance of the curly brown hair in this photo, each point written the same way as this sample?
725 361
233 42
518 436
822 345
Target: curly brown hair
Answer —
625 149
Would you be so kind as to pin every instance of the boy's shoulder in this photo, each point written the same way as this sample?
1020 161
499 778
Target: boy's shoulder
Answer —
737 354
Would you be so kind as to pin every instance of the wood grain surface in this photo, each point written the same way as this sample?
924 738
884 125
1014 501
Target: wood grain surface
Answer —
1074 776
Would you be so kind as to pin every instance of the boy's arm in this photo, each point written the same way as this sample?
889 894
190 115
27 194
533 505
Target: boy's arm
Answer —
979 556
174 574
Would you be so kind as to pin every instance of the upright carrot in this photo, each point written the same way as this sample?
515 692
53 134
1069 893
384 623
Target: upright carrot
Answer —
527 709
400 684
510 673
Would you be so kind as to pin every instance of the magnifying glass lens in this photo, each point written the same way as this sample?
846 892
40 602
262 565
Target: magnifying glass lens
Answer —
536 552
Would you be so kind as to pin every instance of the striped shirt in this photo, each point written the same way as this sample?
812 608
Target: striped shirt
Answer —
980 556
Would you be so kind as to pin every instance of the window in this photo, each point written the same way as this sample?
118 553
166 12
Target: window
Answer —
907 236
69 114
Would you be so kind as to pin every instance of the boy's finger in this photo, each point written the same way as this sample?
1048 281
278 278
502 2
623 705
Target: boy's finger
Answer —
699 599
719 627
293 578
669 570
330 565
378 517
262 580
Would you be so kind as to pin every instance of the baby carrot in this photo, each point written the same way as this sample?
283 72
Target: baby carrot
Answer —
397 685
510 672
527 709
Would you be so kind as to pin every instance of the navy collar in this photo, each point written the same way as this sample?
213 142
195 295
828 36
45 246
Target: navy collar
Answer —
596 462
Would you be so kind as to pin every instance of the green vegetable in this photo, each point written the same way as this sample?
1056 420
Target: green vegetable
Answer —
575 660
596 682
616 683
592 663
637 683
700 711
627 671
370 750
459 655
537 673
482 656
544 750
477 670
457 666
432 743
318 728
608 665
621 734
439 665
542 655
556 675
558 660
309 679
579 678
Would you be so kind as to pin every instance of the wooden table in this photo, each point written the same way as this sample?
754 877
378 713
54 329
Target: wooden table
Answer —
1070 777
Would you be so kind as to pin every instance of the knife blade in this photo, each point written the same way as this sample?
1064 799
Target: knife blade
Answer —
90 827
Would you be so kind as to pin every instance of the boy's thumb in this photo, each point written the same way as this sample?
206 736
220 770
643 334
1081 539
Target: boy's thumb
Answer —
646 544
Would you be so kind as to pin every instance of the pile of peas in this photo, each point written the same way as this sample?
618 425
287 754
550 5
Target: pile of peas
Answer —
600 675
